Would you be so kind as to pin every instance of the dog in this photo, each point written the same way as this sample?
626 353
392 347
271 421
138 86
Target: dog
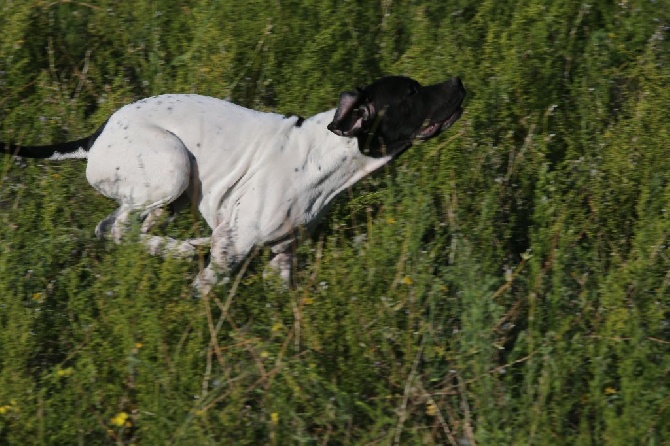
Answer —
255 177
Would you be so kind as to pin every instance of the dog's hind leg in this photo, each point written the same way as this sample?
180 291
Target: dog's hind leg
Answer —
168 246
114 224
146 170
156 217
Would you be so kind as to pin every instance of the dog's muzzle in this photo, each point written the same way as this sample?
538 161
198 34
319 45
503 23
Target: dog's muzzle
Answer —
448 112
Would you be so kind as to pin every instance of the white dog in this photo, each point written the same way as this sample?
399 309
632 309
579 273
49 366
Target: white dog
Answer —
255 177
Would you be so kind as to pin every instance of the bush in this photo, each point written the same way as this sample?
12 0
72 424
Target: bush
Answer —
506 283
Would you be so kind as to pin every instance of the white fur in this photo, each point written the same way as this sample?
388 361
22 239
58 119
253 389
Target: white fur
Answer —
78 154
255 177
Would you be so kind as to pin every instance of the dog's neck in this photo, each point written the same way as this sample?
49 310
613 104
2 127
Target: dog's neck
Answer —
337 152
316 165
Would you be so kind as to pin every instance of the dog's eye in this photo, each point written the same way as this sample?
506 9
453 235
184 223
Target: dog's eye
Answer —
362 112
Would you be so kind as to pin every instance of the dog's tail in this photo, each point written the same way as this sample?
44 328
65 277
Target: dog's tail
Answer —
60 151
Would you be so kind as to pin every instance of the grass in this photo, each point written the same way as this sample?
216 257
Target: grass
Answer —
506 283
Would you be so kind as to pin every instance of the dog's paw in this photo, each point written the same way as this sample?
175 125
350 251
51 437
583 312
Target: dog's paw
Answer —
207 279
280 267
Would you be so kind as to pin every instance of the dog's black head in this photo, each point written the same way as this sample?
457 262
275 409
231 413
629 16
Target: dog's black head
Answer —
392 112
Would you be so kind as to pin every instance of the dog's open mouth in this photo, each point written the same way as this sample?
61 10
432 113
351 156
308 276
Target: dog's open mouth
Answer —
436 128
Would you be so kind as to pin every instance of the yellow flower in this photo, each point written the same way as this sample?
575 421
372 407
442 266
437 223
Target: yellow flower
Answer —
62 373
139 345
407 280
120 419
610 391
431 410
4 409
390 220
265 354
277 327
274 416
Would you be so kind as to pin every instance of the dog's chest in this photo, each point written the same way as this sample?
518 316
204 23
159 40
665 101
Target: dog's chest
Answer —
279 193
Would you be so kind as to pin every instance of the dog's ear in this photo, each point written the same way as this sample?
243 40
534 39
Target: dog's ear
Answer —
346 122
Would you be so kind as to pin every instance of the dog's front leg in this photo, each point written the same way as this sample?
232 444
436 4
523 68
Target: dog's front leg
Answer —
226 253
282 262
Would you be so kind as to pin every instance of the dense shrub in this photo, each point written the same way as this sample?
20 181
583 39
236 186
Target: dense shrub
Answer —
507 283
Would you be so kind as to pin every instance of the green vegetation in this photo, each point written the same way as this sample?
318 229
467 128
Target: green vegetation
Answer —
507 283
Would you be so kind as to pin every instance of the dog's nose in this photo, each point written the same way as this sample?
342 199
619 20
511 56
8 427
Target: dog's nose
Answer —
456 86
